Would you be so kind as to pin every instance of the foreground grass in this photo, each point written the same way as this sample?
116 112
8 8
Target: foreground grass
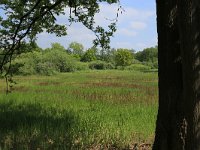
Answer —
83 110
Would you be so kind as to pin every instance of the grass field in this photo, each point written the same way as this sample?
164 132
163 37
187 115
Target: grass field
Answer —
82 110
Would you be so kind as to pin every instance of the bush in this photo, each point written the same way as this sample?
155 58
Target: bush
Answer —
147 55
60 60
138 67
81 66
135 61
120 68
100 65
47 62
27 69
45 68
153 65
89 55
15 68
123 57
25 64
76 49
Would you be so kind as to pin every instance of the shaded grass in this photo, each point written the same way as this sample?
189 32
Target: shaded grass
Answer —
83 110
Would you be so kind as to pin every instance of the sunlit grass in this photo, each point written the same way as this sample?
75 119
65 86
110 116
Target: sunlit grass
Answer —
82 110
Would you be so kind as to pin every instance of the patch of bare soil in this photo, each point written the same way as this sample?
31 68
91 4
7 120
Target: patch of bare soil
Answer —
48 83
136 146
19 89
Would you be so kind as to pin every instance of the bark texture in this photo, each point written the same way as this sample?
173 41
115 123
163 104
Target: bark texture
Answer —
189 26
178 126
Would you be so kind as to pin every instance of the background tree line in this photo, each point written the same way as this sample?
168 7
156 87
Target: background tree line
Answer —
32 59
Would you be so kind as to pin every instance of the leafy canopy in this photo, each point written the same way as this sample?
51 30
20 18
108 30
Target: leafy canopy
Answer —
76 49
123 57
147 55
89 55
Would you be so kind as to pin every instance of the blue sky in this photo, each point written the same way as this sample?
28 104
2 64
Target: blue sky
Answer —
136 27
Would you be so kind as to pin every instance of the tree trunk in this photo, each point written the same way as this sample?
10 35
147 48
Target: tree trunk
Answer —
189 26
178 126
170 77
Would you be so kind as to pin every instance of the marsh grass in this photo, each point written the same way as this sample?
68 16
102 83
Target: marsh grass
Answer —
83 110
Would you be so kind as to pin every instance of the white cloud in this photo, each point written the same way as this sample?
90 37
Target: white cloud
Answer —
136 14
130 26
126 32
138 25
80 34
75 33
110 12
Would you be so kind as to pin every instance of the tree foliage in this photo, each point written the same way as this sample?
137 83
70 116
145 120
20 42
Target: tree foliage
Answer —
100 65
89 55
76 49
23 20
56 59
57 46
46 62
147 55
123 57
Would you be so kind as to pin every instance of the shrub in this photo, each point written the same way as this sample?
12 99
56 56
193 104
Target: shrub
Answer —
76 49
60 60
47 62
120 68
153 65
81 66
147 55
15 68
135 61
27 69
45 68
138 67
25 63
101 65
123 57
89 55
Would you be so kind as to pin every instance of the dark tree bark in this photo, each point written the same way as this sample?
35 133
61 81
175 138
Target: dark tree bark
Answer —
178 120
170 76
189 25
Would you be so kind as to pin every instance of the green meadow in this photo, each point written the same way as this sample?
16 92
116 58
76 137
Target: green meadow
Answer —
109 109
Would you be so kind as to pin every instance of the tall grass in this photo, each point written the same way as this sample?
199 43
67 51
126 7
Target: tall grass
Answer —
82 110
